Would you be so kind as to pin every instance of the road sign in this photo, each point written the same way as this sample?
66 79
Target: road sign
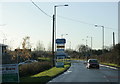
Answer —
59 64
60 41
60 54
60 50
10 73
60 57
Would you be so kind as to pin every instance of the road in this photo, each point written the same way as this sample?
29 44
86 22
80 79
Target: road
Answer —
78 73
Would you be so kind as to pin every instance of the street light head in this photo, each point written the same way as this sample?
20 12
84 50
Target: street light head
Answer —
102 26
96 25
66 5
61 5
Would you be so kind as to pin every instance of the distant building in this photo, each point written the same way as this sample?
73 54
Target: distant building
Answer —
3 49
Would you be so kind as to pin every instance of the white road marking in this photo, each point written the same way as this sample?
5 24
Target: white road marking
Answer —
67 72
108 66
106 78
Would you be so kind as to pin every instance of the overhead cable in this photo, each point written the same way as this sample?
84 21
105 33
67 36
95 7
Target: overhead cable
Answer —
40 9
75 20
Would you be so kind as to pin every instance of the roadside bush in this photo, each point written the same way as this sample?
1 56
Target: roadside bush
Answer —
34 68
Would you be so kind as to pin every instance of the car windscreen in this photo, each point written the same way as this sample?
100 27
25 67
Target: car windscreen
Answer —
93 61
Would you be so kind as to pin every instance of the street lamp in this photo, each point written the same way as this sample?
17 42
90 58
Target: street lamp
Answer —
102 34
54 32
91 41
69 44
63 35
55 16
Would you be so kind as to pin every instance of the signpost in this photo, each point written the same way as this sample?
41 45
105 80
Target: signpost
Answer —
10 73
60 54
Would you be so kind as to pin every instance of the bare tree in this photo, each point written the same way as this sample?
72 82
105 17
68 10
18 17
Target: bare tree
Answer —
49 47
24 53
39 46
82 48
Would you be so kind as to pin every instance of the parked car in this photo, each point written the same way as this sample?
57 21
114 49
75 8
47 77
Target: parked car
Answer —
27 62
92 63
21 63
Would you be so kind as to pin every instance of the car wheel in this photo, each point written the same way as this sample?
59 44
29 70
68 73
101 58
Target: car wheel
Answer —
88 67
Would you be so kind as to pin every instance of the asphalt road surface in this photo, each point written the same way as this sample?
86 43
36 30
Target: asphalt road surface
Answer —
78 73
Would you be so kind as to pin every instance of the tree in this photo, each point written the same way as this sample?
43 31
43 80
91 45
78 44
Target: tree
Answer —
21 54
82 48
39 46
49 47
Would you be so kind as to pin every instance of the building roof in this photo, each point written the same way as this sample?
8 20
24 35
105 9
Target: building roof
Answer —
3 45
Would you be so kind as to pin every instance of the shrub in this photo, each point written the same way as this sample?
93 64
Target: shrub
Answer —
33 68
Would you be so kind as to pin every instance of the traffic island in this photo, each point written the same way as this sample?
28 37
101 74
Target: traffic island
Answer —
45 76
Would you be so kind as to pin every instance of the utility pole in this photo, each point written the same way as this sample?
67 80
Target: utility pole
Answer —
53 42
113 39
103 37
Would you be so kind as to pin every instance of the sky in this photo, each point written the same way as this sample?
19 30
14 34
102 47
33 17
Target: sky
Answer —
20 19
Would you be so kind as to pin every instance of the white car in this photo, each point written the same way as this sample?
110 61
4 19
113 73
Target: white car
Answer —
27 62
21 63
92 63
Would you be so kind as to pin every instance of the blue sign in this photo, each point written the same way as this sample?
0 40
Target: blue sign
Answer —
60 57
60 53
60 49
60 41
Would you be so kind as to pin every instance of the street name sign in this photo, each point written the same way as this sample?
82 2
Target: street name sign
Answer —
10 73
59 64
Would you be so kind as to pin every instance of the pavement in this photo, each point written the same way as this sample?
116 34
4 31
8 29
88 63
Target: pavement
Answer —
78 73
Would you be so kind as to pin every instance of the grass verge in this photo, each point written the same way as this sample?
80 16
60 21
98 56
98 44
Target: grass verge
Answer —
44 58
45 76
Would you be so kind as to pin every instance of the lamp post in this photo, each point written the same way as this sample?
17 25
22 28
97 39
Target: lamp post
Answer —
70 45
102 35
54 33
91 41
55 17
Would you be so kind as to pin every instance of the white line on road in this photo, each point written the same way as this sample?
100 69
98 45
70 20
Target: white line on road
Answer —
106 78
67 72
108 66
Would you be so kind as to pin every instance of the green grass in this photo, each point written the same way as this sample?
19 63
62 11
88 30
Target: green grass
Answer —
45 76
44 58
77 59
